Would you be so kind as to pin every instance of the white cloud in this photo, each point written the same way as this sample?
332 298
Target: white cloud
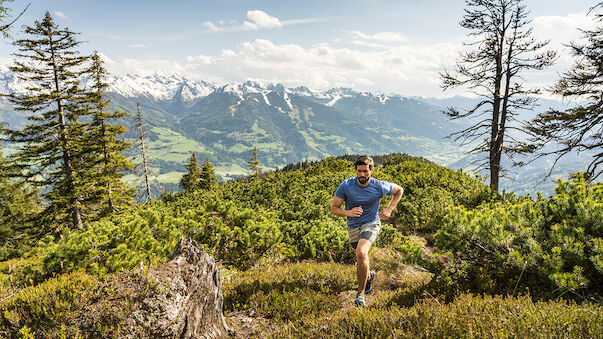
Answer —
367 44
137 45
248 26
228 53
211 26
381 36
257 20
260 19
371 62
61 15
304 21
146 66
561 29
200 60
408 70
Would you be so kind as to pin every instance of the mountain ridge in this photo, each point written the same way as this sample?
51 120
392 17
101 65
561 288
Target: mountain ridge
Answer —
288 125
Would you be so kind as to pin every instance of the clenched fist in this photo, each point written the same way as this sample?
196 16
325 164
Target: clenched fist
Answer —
356 211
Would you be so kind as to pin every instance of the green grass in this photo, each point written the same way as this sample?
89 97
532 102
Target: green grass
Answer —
238 148
315 300
173 146
171 177
468 316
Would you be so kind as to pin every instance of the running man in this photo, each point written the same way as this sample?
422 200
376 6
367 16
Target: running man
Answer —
361 195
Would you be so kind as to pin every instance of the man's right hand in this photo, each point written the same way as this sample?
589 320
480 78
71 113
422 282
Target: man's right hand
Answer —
356 211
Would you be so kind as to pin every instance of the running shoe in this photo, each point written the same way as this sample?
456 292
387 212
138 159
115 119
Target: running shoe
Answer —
360 300
369 283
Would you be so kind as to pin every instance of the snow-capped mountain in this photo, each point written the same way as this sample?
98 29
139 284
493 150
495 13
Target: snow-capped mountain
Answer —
171 88
160 87
9 83
156 87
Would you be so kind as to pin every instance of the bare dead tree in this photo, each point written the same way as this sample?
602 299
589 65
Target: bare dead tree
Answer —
502 49
145 168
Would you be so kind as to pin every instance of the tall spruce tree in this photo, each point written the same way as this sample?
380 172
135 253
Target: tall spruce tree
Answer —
254 164
18 207
208 179
502 51
53 140
192 179
19 203
106 148
579 128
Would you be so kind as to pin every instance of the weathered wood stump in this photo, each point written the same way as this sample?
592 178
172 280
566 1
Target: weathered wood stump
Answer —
179 299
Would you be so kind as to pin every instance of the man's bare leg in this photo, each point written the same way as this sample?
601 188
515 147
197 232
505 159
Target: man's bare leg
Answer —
362 263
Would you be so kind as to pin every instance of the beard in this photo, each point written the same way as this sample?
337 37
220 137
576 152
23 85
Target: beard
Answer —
363 180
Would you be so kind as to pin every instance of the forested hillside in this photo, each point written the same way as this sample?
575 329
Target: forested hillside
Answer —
288 266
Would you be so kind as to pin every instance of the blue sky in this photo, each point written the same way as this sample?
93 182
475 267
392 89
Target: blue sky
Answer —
374 45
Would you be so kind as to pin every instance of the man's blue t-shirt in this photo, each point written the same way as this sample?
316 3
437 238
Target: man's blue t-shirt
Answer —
367 197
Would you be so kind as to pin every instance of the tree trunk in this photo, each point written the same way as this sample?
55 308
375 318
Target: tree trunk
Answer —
74 204
111 204
144 154
179 299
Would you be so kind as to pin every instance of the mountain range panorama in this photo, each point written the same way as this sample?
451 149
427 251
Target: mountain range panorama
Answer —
287 125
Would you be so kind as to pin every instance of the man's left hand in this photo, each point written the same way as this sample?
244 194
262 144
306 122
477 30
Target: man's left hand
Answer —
385 214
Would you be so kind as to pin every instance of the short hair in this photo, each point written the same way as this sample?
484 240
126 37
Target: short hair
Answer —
364 160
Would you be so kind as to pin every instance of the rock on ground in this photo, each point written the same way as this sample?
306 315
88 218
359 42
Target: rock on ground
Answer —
179 299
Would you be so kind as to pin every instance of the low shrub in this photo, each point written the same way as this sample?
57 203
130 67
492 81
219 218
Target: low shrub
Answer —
429 192
467 316
288 290
389 236
292 305
552 246
45 309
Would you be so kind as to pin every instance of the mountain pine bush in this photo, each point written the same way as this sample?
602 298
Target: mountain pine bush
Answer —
551 246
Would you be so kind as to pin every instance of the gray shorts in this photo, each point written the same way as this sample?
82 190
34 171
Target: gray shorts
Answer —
368 231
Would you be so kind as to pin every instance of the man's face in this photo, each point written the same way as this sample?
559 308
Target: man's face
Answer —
363 173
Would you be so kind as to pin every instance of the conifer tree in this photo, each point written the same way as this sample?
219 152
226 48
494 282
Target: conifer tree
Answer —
53 140
208 179
192 179
579 128
254 164
106 148
4 14
19 205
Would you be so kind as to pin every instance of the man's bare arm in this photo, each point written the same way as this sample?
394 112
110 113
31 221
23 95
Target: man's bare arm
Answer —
340 212
397 194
